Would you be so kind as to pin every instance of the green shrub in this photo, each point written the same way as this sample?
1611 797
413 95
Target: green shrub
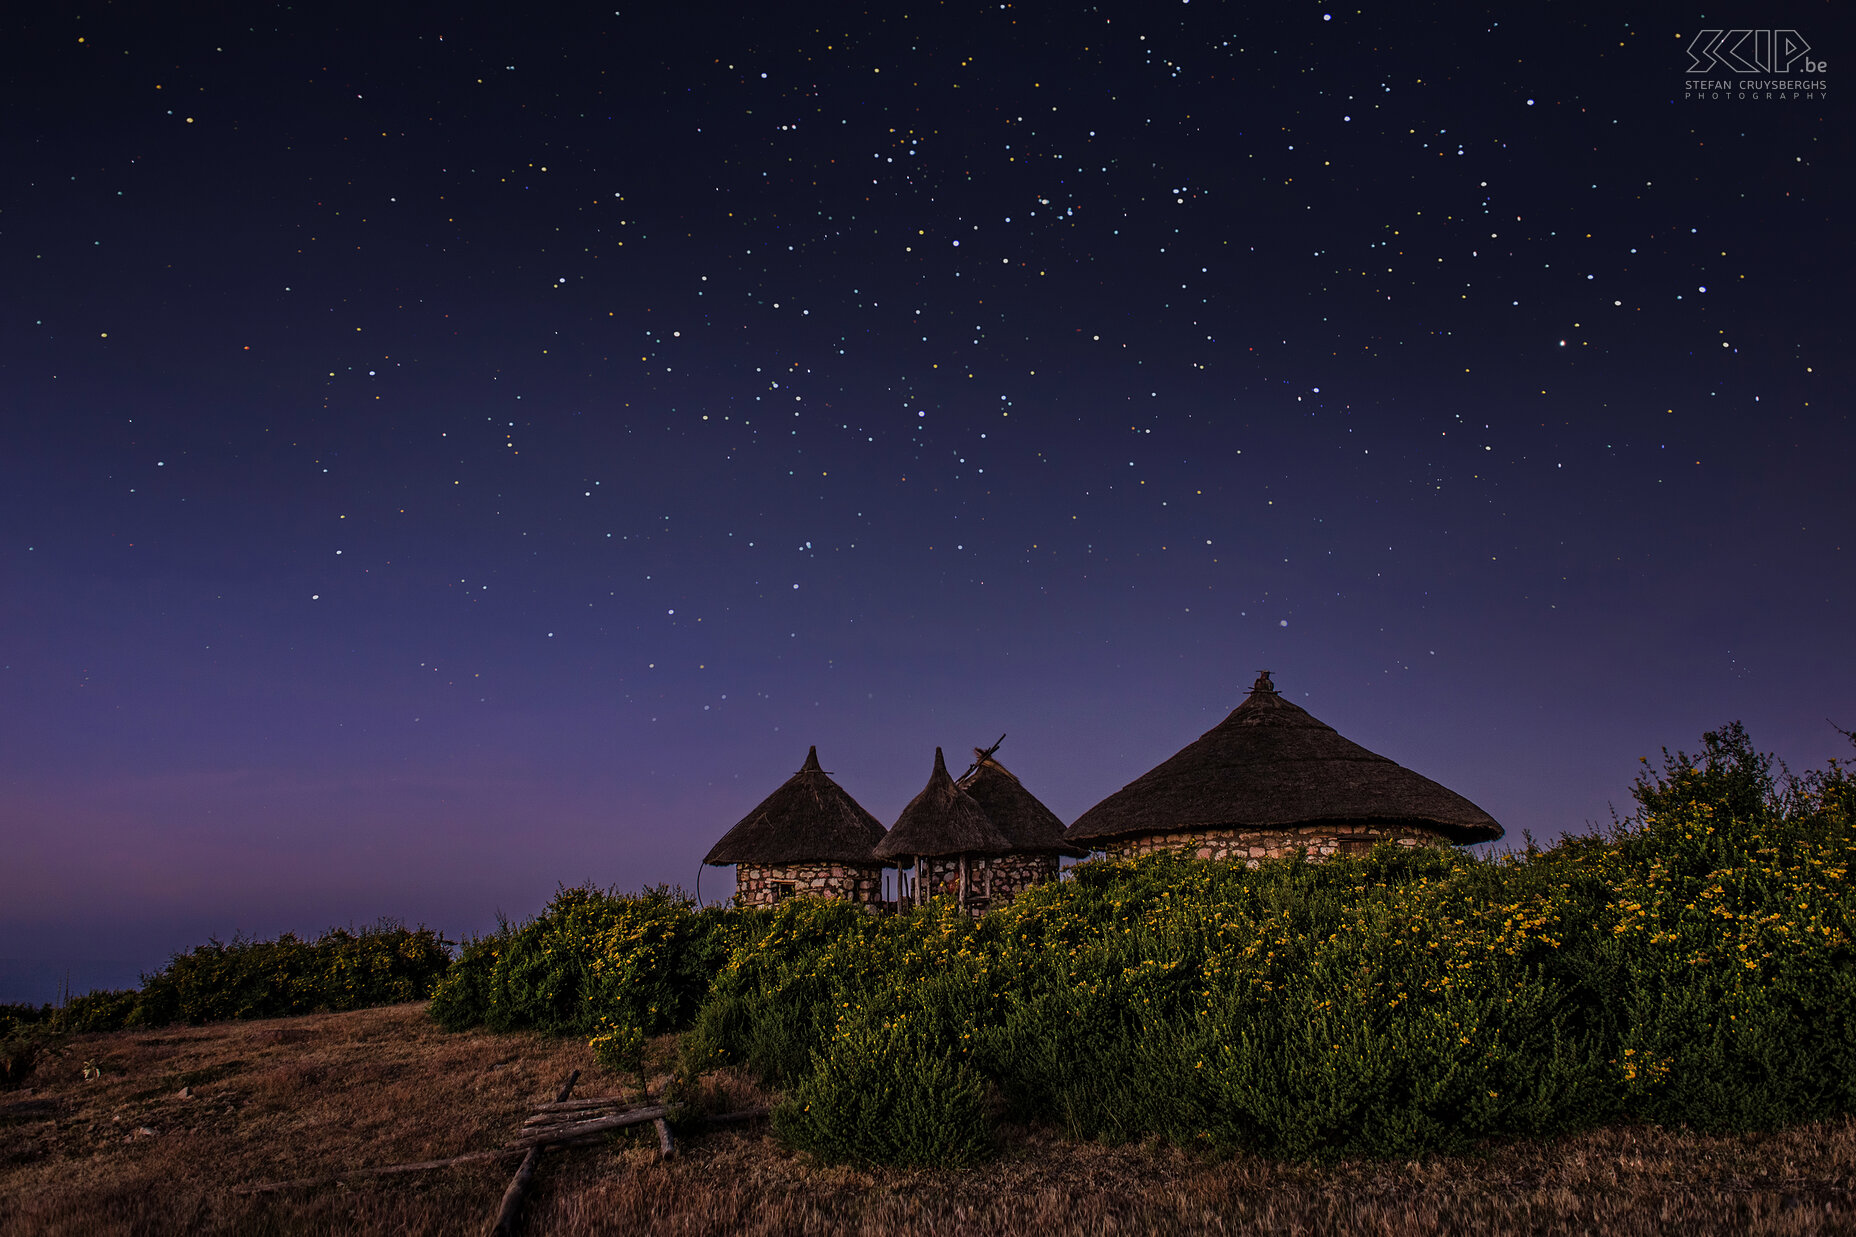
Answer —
16 1018
770 1001
384 964
462 994
104 1010
340 970
19 1052
1730 941
889 1091
641 960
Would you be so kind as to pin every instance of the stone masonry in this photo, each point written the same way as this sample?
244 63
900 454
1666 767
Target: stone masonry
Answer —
755 884
1251 846
1013 874
1009 875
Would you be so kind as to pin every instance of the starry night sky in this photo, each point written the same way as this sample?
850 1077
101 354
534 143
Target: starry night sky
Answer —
447 456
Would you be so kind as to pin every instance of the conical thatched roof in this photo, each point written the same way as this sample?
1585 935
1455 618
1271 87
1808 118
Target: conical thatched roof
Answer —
1027 824
942 820
809 819
1270 765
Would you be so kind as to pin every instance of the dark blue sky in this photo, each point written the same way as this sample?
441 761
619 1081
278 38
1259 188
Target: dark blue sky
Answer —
451 455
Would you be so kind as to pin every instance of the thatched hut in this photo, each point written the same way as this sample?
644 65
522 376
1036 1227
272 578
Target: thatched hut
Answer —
943 843
807 839
1033 830
1270 779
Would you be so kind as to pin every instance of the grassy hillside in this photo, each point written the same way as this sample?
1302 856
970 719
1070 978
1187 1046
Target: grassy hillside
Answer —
124 1151
1693 968
1637 1032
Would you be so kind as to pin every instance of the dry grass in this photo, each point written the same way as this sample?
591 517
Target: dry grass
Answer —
319 1096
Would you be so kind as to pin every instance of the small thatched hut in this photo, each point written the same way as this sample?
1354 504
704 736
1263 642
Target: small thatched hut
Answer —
1033 830
807 839
945 837
1270 779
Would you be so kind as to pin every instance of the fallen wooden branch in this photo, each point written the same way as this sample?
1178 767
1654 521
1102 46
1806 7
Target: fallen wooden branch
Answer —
568 1123
544 1135
577 1114
561 1118
504 1224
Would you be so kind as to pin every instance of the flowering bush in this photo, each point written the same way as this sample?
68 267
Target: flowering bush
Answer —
886 1092
620 1049
381 965
384 964
641 961
1728 939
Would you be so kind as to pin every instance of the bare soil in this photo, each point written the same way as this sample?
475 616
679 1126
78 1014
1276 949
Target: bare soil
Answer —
181 1123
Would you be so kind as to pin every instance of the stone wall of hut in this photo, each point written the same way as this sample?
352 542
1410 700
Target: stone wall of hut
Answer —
1251 846
1013 874
759 885
991 880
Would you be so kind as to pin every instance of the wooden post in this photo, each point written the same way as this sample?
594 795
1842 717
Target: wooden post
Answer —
504 1225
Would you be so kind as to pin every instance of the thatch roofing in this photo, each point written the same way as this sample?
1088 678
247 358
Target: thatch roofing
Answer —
942 820
1269 765
1027 824
809 819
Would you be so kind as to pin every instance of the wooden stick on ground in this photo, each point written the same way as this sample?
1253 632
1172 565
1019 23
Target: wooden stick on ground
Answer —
578 1118
504 1225
549 1114
541 1136
569 1115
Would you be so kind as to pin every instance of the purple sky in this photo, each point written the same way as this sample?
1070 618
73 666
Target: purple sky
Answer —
450 456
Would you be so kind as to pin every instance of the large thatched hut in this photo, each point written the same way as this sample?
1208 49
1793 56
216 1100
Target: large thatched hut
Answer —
943 843
1033 830
807 839
1270 779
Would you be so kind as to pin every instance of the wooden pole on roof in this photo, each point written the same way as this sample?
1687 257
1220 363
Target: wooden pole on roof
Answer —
980 756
